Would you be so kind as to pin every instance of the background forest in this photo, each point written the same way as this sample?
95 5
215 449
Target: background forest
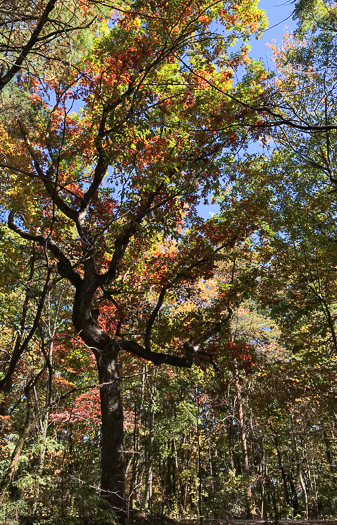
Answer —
168 262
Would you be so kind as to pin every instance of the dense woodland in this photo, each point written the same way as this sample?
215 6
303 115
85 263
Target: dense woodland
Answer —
168 275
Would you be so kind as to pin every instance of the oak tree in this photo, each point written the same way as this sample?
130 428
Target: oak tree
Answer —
104 166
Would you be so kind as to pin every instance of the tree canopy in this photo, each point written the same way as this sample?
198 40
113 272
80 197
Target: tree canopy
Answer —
154 358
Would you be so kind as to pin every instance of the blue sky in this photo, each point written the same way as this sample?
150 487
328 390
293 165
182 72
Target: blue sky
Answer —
279 13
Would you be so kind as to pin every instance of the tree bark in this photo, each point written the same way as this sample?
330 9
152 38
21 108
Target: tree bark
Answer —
112 446
106 351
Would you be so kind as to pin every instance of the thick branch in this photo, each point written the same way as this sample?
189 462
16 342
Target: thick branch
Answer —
160 359
183 273
124 238
29 46
47 179
174 360
64 265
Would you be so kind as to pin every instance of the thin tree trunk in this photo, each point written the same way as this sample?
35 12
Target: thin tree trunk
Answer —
149 452
200 480
176 461
305 494
44 421
311 482
243 438
300 477
284 479
13 467
6 382
328 452
134 462
327 313
273 497
264 477
21 346
262 500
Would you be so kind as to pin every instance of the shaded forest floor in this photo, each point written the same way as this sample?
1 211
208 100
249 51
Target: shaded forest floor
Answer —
162 520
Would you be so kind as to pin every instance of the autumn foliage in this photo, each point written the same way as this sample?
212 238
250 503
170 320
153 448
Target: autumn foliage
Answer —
167 296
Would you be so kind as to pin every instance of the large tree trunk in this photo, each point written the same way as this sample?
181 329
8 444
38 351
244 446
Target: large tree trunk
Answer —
105 350
112 450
